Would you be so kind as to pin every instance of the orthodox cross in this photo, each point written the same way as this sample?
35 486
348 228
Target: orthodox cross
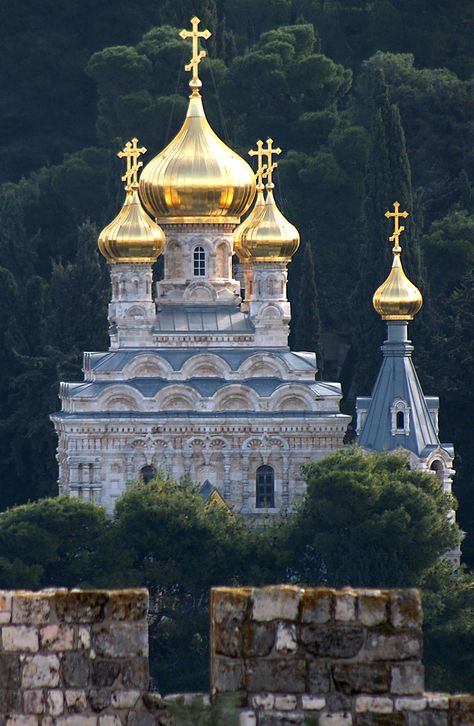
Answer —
259 152
198 55
131 152
271 165
398 230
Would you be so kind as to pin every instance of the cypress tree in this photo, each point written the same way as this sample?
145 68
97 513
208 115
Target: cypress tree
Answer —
308 325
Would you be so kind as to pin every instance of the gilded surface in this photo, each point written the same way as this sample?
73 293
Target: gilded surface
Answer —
397 298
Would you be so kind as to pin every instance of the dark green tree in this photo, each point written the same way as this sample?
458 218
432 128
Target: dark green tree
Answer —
307 334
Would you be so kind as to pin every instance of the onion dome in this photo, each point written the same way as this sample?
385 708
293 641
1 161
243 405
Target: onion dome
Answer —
251 219
397 298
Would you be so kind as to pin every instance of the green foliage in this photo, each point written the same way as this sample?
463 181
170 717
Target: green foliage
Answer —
308 325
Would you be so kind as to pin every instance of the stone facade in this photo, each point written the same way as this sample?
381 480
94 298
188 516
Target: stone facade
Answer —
279 656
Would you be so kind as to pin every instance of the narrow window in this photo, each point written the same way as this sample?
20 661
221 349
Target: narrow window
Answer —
147 473
265 487
199 262
400 421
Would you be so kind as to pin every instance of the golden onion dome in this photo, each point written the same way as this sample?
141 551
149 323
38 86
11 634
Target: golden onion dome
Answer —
271 237
197 178
397 298
251 219
132 236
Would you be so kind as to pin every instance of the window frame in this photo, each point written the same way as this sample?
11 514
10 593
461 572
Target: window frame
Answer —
265 490
199 261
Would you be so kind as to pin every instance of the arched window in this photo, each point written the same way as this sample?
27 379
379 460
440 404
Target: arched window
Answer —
400 421
438 469
265 481
199 259
147 473
400 417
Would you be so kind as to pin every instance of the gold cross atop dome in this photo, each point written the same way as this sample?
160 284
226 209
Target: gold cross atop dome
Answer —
131 152
259 152
397 230
271 165
193 65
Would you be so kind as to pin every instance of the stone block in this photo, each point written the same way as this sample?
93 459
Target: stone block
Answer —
33 701
75 700
229 603
439 701
265 701
316 605
124 640
57 637
380 719
247 718
286 638
396 647
135 673
10 701
147 719
411 703
280 718
276 602
55 702
376 704
335 719
408 679
361 678
312 703
345 606
227 638
227 674
99 698
126 605
17 720
333 641
84 637
110 720
31 608
20 638
5 607
80 606
405 608
9 671
318 677
124 699
286 703
104 673
76 720
40 671
284 675
428 718
373 607
257 639
75 669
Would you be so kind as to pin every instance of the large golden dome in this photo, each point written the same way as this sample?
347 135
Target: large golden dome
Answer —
197 178
132 236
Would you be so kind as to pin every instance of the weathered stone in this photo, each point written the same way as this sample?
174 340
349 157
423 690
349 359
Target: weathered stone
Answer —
22 721
57 637
40 671
393 647
335 719
31 608
9 700
229 603
413 703
318 677
257 639
373 607
265 701
428 718
286 675
247 718
104 672
124 699
286 638
33 701
75 700
345 606
110 720
227 638
438 701
338 702
405 608
9 671
227 674
124 640
277 602
285 703
376 704
316 605
81 606
20 638
135 673
361 678
332 641
280 718
76 720
127 604
5 607
55 702
313 703
408 678
99 698
84 637
380 719
75 669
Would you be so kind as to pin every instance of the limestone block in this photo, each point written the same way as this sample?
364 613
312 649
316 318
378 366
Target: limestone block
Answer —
414 703
40 671
22 721
83 637
286 638
229 603
439 701
430 718
277 602
280 718
80 606
263 700
282 674
375 704
10 701
5 606
33 701
104 673
408 679
135 673
247 718
110 720
99 698
313 703
75 700
332 641
316 605
125 699
393 647
318 677
20 638
257 639
373 607
405 608
345 606
57 637
75 669
285 703
76 720
124 640
361 678
227 674
227 638
31 608
55 702
127 605
9 671
335 719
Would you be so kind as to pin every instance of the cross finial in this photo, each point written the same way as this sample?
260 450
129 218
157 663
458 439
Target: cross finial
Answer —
259 152
198 55
131 152
397 229
271 165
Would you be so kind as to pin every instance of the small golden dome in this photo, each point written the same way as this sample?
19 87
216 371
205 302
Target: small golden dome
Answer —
251 219
197 178
397 298
271 237
132 236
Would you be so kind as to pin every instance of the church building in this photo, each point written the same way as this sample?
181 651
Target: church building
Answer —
199 379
